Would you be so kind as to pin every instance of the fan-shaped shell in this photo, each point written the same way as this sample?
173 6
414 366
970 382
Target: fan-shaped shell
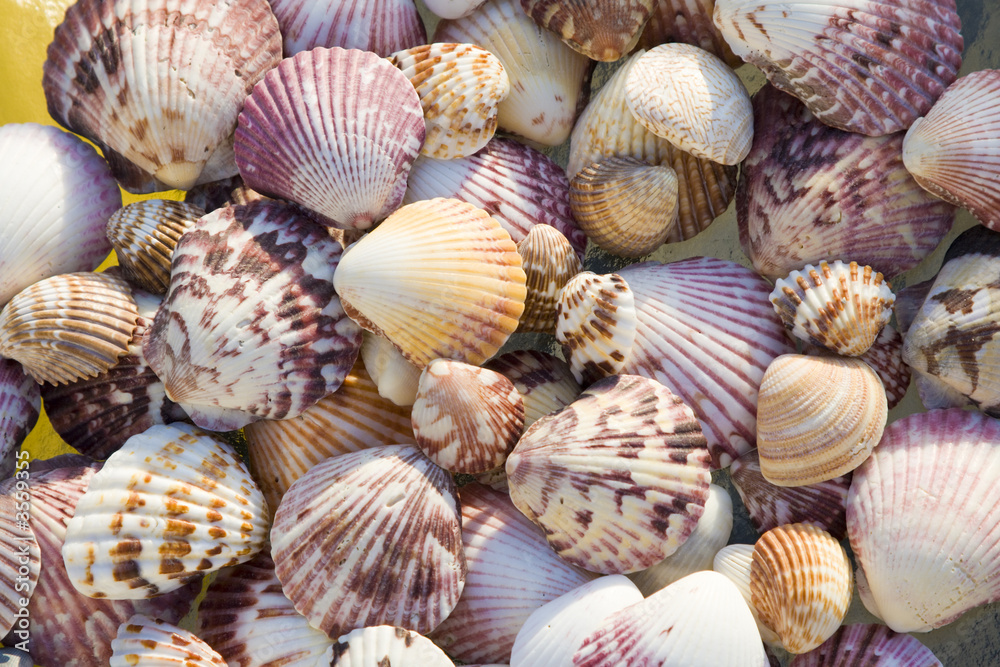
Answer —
545 382
147 642
382 26
549 262
602 30
20 555
158 86
885 356
687 21
20 402
387 645
144 235
867 645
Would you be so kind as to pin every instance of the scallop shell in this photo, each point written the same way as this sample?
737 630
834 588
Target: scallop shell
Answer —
547 78
382 26
809 192
735 562
839 306
549 262
452 9
144 235
368 538
257 280
865 645
146 642
334 130
624 436
604 30
885 356
158 86
625 206
20 555
69 326
460 87
387 645
545 382
908 303
395 377
439 278
20 402
871 68
687 21
57 196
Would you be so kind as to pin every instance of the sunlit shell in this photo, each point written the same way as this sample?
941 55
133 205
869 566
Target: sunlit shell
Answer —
871 68
452 9
439 278
460 87
687 21
602 30
69 326
334 130
809 192
147 642
547 78
545 382
735 562
144 235
625 437
549 261
387 645
395 377
20 555
885 356
56 199
158 85
20 402
368 538
865 645
382 26
625 206
251 327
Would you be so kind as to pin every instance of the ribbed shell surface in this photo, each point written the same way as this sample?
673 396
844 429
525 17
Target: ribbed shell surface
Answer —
885 356
147 642
689 22
603 30
549 262
20 555
382 26
387 645
144 235
20 402
545 382
868 645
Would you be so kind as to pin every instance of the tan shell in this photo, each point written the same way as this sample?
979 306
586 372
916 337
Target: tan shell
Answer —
144 235
603 30
549 262
146 642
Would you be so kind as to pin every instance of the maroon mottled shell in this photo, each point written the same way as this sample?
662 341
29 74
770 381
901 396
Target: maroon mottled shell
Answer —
885 356
545 382
687 21
868 645
20 402
382 26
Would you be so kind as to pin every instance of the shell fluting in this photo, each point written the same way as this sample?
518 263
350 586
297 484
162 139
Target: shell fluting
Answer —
549 262
147 642
20 403
387 645
381 26
545 382
690 22
867 644
144 235
603 30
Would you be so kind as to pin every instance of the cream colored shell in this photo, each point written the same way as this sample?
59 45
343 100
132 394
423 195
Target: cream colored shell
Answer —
549 262
147 642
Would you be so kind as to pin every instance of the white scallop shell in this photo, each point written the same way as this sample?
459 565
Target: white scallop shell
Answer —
387 646
735 562
147 642
452 9
394 376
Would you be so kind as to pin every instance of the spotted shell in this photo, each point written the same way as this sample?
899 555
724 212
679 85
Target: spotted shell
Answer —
549 262
382 26
144 235
142 642
602 30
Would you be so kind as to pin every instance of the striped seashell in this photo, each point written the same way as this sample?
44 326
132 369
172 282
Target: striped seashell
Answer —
438 278
545 382
387 645
512 573
547 78
269 296
607 128
867 645
460 87
452 9
625 206
885 356
809 192
841 307
871 67
603 31
707 332
20 555
549 262
735 562
57 196
595 323
144 235
395 377
466 419
570 470
20 402
691 98
217 194
69 326
382 26
517 185
147 642
394 520
334 130
123 75
689 22
953 151
247 619
908 303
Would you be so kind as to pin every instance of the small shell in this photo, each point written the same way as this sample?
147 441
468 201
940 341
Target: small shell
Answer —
545 382
603 30
382 26
146 642
389 646
549 262
395 377
20 402
866 645
687 21
144 235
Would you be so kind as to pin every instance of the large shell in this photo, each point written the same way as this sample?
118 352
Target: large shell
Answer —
452 9
687 21
334 130
382 26
602 30
20 402
871 67
251 327
624 436
158 85
56 199
146 642
387 645
439 278
144 235
867 645
545 382
735 562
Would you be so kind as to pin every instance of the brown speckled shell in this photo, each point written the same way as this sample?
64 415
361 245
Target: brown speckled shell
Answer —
603 30
144 235
549 262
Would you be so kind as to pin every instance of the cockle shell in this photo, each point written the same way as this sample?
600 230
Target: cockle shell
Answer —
865 645
549 262
603 30
382 26
158 86
56 199
20 402
147 642
334 130
394 376
545 382
687 21
144 235
460 87
438 278
871 68
626 436
20 555
387 645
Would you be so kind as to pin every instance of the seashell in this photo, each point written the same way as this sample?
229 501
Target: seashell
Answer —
817 418
371 537
20 555
953 152
269 296
936 394
517 185
735 562
822 504
689 22
382 26
870 68
570 471
547 78
625 206
607 128
864 645
549 262
885 356
20 402
512 573
908 303
387 645
603 31
217 194
809 192
144 235
926 558
545 383
595 323
169 126
460 87
466 419
452 9
395 377
57 196
334 130
69 326
800 584
841 307
143 641
691 98
707 332
438 278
